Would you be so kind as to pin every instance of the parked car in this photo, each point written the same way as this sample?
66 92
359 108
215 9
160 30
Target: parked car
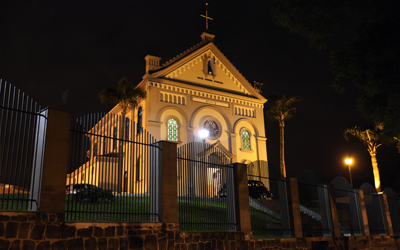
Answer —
89 193
257 190
222 191
74 188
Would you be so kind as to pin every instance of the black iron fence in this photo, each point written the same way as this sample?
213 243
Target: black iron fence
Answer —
205 189
269 212
315 210
349 212
112 174
22 134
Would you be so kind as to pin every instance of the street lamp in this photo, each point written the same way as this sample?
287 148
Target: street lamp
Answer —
203 133
349 162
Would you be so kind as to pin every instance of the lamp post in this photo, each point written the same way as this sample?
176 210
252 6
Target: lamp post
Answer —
349 162
203 133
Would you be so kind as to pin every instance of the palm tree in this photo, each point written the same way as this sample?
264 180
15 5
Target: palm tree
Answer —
370 138
280 110
127 97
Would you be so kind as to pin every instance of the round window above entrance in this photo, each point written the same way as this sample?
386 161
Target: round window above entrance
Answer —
213 127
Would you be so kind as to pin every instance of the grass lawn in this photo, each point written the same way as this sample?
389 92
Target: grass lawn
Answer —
259 222
123 208
14 202
195 215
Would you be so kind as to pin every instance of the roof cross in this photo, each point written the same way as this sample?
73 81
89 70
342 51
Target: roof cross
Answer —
206 17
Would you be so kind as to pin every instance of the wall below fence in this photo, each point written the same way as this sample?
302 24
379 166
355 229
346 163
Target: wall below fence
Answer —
45 231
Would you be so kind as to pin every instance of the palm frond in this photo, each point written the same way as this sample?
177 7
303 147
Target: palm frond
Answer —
281 107
125 94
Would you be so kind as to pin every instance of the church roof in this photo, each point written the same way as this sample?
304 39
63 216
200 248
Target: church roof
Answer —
234 82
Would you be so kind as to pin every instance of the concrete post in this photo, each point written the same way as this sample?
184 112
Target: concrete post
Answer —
364 212
294 207
55 162
387 220
168 196
335 215
242 206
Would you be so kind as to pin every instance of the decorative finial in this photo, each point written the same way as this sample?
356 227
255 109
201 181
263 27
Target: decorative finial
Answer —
258 86
206 17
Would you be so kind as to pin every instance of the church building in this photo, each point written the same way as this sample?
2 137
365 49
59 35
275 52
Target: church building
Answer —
198 89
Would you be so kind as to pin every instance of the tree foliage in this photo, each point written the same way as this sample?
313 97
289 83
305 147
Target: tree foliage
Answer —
370 138
125 94
371 58
281 109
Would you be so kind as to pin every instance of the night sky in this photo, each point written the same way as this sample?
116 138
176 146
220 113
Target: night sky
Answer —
63 53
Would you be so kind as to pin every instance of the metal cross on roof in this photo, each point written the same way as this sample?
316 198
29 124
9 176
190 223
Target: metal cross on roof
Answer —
206 17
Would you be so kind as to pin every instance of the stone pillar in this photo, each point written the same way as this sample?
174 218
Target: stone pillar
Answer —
364 212
242 206
167 179
55 162
335 215
387 220
294 207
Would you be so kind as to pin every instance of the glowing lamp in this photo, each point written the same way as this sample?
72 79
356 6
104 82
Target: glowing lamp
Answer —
203 133
348 161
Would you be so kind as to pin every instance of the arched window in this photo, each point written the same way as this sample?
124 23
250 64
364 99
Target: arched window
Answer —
172 130
139 120
246 140
210 67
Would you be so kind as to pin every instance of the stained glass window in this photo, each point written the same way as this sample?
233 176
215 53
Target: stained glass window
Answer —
212 127
172 130
115 138
127 129
139 121
246 140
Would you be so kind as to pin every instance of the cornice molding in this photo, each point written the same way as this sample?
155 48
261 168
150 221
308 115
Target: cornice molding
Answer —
218 97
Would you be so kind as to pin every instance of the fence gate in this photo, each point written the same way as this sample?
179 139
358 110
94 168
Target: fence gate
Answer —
268 201
22 136
112 171
205 188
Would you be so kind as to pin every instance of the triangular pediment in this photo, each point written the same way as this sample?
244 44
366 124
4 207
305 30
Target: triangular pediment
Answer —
192 66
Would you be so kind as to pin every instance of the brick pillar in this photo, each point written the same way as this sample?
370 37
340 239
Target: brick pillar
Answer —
242 206
335 215
387 220
364 212
294 207
168 196
55 162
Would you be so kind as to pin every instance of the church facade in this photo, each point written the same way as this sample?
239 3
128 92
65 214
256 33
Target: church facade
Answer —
198 89
201 89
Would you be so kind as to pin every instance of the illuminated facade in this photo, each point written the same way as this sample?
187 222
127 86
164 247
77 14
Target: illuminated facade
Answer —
200 88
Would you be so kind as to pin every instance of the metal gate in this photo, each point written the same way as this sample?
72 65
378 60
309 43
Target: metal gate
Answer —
268 201
112 171
205 189
22 134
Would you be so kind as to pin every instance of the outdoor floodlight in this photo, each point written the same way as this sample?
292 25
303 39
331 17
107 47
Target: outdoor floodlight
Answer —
203 133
